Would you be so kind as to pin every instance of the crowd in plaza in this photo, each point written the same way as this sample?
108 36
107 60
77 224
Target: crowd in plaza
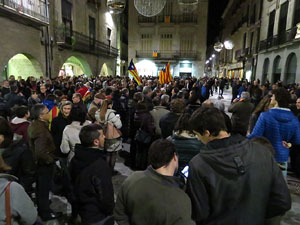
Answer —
193 163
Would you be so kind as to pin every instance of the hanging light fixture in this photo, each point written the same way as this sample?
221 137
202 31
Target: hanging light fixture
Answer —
188 6
149 8
228 44
116 6
218 46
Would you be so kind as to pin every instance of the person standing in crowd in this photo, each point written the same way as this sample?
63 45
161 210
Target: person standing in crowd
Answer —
159 110
33 99
77 102
104 116
221 87
186 143
168 121
43 92
279 125
22 209
147 91
124 113
226 164
20 123
17 155
95 105
14 98
43 147
5 88
235 89
154 191
241 112
70 136
58 125
92 177
143 123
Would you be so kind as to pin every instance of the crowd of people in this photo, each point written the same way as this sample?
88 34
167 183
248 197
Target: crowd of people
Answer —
194 164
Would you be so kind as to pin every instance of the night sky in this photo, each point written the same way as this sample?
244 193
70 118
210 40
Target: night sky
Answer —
215 11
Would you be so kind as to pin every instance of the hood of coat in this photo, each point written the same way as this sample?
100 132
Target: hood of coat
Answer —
228 156
18 120
4 180
282 115
85 156
76 125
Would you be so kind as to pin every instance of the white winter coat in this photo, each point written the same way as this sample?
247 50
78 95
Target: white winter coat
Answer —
71 137
111 117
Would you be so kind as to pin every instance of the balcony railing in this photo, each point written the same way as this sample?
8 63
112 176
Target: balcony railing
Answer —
177 19
282 38
83 43
34 9
169 54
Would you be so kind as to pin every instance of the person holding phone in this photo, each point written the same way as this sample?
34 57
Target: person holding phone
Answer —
153 196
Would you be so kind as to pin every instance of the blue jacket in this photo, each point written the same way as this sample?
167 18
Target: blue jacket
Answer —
278 125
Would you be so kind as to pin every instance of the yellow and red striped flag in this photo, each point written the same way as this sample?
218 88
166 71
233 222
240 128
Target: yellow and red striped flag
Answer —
132 70
165 75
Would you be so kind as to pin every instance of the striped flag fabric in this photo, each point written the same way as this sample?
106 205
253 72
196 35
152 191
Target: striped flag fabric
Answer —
165 75
133 71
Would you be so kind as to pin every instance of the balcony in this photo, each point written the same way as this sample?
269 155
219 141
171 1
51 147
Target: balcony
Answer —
82 43
36 11
176 19
283 38
176 55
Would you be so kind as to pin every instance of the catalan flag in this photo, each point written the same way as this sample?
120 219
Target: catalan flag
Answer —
165 75
132 70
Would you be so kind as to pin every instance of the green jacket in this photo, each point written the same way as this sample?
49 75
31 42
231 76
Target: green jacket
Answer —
149 198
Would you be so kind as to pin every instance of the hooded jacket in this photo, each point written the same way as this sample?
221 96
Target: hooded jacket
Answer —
235 181
278 125
92 181
20 126
22 208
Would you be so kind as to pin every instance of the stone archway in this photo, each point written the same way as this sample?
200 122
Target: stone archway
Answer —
23 65
105 70
75 66
290 69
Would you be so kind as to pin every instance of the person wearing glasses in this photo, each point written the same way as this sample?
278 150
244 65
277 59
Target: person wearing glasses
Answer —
42 145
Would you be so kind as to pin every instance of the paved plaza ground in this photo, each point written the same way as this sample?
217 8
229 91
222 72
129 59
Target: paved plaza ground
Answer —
291 218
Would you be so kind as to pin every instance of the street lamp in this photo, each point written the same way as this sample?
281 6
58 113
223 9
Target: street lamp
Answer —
228 44
218 46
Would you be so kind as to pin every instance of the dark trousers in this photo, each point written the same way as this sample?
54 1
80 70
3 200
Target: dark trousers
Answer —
221 90
44 182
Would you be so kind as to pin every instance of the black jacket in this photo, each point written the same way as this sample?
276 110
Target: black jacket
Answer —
235 181
167 124
92 181
57 127
19 157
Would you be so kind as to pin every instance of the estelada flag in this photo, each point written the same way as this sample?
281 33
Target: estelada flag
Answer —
132 70
165 75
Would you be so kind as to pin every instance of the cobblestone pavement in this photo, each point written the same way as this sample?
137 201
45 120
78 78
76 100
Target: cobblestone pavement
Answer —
292 217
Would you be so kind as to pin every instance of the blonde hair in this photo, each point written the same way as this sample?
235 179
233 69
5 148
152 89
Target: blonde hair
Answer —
104 107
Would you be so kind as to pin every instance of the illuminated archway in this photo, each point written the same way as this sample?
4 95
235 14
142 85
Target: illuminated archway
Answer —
265 70
104 71
75 66
23 65
146 68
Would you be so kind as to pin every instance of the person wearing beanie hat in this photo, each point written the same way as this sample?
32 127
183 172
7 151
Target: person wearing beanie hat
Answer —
95 105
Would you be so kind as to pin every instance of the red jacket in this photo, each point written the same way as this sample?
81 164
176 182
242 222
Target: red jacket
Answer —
20 126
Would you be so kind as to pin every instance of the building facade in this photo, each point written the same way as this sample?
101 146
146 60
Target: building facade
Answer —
59 37
241 24
279 49
171 36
